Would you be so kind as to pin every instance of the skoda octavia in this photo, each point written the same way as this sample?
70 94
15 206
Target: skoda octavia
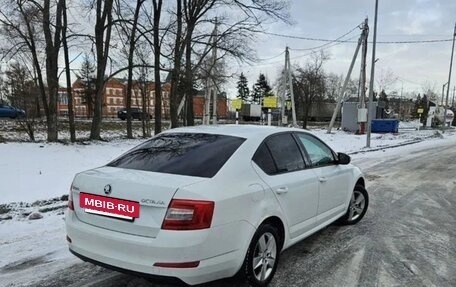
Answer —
204 203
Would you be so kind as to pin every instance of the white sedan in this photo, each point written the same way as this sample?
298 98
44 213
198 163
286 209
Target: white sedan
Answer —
210 202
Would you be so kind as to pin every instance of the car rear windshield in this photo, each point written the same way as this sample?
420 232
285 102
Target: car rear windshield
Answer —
192 154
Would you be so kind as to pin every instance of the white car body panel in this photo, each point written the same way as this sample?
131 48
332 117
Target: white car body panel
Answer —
244 197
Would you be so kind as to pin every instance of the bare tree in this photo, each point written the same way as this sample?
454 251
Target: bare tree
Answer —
309 85
157 52
21 91
68 73
233 37
103 29
386 80
129 28
30 26
144 87
177 62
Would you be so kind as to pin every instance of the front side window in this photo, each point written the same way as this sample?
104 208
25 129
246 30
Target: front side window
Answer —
319 153
285 153
192 154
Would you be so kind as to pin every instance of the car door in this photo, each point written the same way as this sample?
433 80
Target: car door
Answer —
333 178
5 111
280 163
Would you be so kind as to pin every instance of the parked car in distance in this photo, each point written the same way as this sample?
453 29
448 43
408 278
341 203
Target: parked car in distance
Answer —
210 202
136 113
7 111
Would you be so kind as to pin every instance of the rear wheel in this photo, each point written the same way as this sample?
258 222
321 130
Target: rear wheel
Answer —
357 207
262 257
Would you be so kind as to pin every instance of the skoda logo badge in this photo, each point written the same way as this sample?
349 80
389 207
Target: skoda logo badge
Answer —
107 189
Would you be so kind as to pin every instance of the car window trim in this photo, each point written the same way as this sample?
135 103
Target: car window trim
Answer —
306 166
301 145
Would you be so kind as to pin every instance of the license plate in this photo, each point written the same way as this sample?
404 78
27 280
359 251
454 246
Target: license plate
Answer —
108 206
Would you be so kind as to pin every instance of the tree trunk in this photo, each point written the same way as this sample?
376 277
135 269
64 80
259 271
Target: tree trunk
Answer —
132 43
174 92
102 42
68 75
157 80
52 56
36 63
189 76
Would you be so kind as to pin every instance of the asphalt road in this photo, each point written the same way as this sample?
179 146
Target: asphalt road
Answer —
407 238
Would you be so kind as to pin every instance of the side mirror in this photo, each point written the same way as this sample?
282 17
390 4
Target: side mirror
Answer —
343 158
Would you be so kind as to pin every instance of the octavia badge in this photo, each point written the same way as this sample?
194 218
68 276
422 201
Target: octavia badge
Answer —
107 189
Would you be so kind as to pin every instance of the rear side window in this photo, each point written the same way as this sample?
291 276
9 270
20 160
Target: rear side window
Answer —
279 154
191 154
285 152
263 159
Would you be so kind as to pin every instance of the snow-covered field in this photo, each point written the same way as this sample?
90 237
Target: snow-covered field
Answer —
38 174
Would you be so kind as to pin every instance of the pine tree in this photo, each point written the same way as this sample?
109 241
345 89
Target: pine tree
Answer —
261 89
87 75
243 88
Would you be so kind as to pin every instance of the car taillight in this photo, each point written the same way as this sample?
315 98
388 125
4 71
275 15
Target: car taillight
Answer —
184 214
70 201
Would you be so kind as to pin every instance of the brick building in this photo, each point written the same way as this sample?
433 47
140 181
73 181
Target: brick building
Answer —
198 106
114 99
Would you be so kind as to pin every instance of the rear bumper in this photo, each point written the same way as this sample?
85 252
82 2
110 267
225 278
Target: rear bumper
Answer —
220 250
170 280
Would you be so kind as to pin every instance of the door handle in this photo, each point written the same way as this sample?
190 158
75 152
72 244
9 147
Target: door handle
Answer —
323 179
282 189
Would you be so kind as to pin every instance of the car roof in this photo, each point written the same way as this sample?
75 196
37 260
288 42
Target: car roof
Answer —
244 131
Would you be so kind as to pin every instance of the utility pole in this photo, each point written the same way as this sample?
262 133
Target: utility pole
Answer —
288 86
449 77
344 87
362 103
371 84
214 86
211 87
283 86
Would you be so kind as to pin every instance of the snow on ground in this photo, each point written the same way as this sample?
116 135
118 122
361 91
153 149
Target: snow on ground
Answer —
26 245
346 142
40 171
37 171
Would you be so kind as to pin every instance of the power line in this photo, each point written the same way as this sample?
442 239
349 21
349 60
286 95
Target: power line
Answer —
345 41
336 40
270 58
326 46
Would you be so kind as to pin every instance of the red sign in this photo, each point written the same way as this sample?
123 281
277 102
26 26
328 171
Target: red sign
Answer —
109 206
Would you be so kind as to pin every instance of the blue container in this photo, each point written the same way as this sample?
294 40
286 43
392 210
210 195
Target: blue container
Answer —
385 126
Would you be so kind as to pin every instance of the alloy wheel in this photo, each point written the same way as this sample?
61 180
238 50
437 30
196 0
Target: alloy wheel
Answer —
264 257
357 205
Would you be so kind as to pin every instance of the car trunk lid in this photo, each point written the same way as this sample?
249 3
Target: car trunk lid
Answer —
125 191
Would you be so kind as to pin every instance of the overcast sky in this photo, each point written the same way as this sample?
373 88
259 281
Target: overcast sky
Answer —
404 20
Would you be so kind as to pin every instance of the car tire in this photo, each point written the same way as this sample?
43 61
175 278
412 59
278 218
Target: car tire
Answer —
262 257
357 206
